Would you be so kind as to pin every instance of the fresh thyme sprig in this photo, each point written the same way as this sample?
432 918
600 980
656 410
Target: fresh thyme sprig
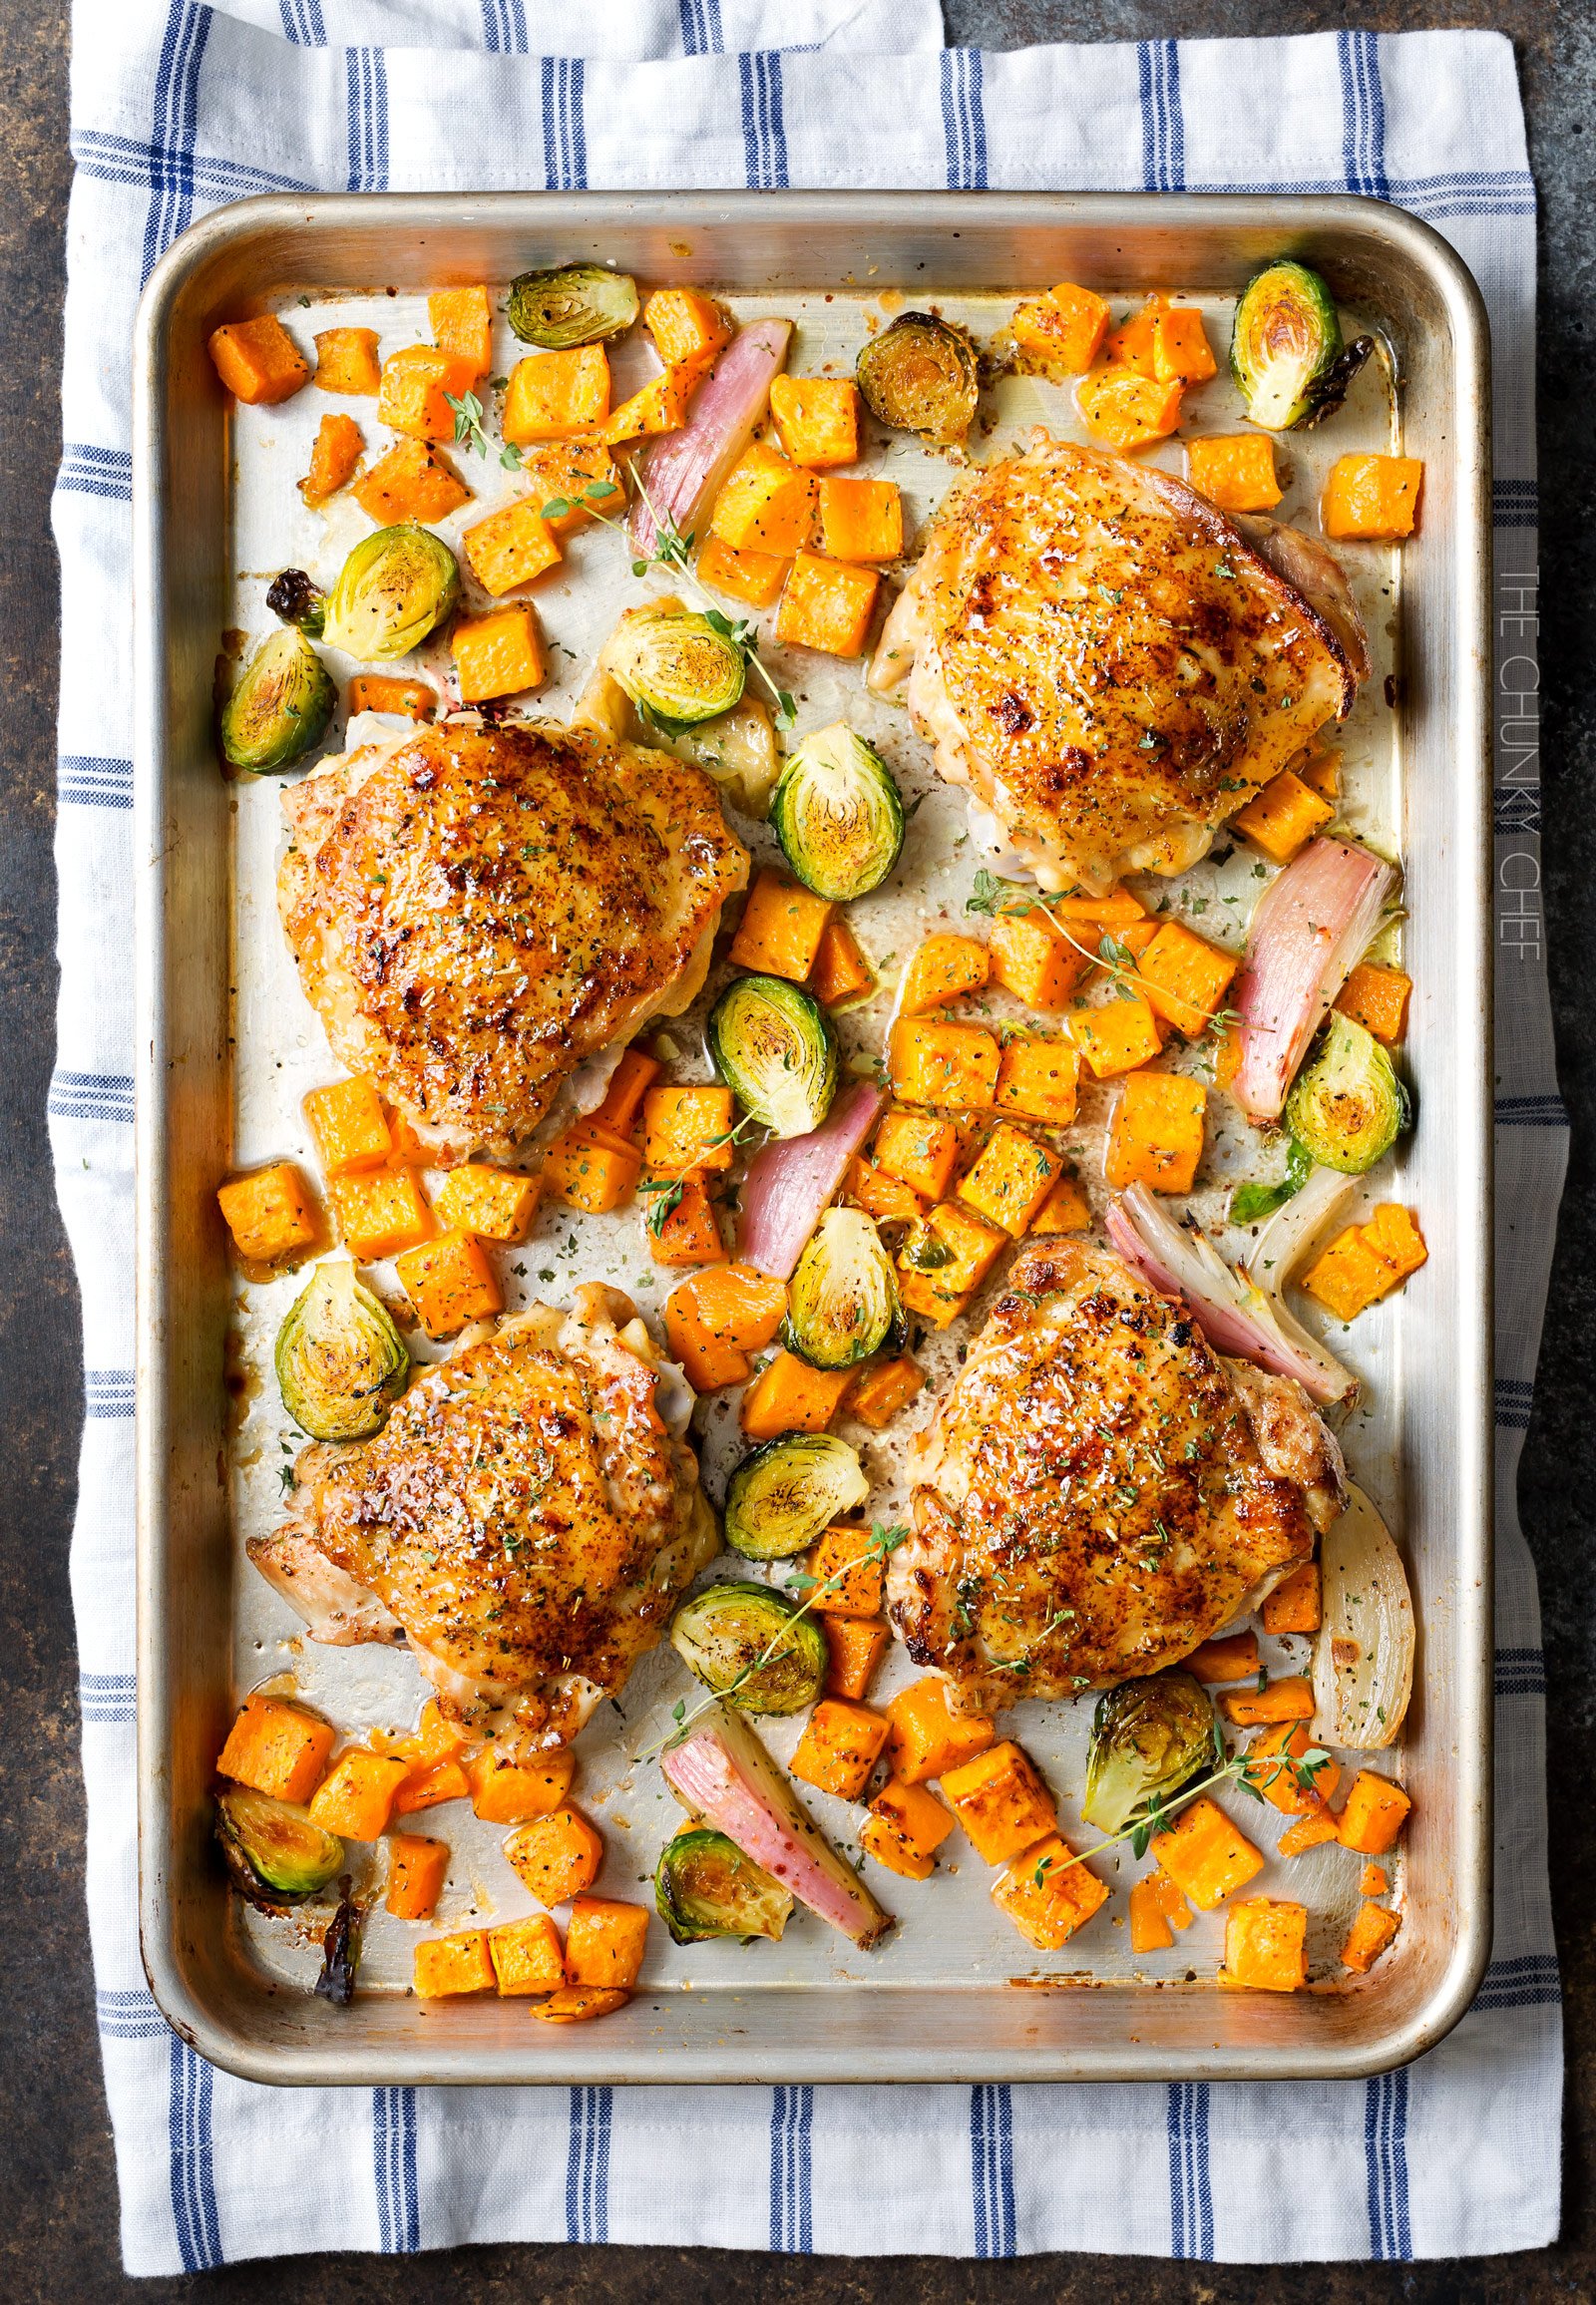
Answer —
1240 1768
666 1192
469 429
881 1543
1002 899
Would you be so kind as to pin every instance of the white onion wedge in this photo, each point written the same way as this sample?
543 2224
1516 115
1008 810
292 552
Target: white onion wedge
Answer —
791 1182
723 1774
1363 1649
1294 1229
680 472
1312 923
1229 1307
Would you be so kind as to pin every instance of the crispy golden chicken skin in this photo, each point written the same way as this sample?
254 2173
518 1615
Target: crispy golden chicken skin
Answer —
477 911
1109 663
529 1516
1090 1501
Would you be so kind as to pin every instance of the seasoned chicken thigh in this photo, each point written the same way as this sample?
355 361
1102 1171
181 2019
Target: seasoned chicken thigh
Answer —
1110 665
529 1516
477 911
1093 1500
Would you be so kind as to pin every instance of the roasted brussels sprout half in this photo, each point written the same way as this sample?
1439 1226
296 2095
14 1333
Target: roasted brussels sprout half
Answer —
738 750
780 1498
294 597
919 375
394 587
1148 1737
573 304
718 1634
1286 348
776 1048
838 815
280 706
842 1301
705 1887
274 1852
674 665
1348 1106
341 1363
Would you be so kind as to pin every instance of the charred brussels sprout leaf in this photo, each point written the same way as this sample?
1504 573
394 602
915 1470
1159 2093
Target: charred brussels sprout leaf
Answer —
1348 1106
340 1950
341 1363
1148 1739
705 1887
781 1498
1286 348
294 597
573 304
919 375
274 1852
838 815
775 1046
394 587
842 1303
676 667
720 1634
280 706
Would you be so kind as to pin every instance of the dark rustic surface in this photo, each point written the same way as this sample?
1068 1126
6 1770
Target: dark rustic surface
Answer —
58 2221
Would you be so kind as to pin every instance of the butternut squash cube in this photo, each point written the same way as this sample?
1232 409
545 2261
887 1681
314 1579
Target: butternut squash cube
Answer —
334 454
1307 1834
590 1167
1183 977
269 1214
1265 1944
347 1121
660 406
1048 1893
450 1281
629 1083
942 968
429 1786
817 418
417 386
747 576
579 2004
840 1747
604 1942
841 976
1125 410
510 547
826 604
1039 1080
1290 1739
462 326
766 504
1371 1931
919 1149
552 395
1000 1801
494 1204
843 1553
417 1870
1204 1854
1283 816
1130 345
356 1795
861 519
1235 1658
945 1064
877 1394
1150 1931
1372 496
927 1738
1033 960
686 1128
1295 1605
1181 351
1012 1179
380 1212
781 928
688 1231
945 1260
1061 332
346 361
1289 1700
855 1647
1395 1239
1373 1815
411 483
527 1956
1156 1136
1235 471
1116 1036
789 1397
562 471
714 1321
1066 1210
506 1791
557 1856
274 1747
500 654
259 361
456 1964
1376 997
686 324
904 1828
375 692
879 1195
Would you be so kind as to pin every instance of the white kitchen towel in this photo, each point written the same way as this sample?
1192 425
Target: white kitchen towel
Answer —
177 108
631 30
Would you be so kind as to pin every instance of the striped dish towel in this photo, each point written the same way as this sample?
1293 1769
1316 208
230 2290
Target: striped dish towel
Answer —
177 108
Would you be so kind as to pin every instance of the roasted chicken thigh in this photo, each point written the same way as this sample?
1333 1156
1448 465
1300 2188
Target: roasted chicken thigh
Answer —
1109 663
529 1516
476 911
1098 1493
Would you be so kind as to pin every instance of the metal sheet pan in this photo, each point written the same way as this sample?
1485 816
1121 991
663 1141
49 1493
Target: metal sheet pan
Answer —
953 1997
